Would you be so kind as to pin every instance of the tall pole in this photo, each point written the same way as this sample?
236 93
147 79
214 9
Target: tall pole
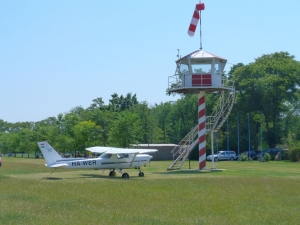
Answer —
217 137
202 130
238 126
260 134
249 134
212 149
227 136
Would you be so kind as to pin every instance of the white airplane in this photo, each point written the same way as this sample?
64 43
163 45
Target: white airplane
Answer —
112 159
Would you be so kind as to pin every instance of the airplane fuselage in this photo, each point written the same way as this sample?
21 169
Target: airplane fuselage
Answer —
108 162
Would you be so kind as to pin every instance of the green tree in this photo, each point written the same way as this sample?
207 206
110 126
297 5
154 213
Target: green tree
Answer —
103 119
121 103
150 132
265 85
86 135
4 147
70 121
125 130
291 122
27 141
4 126
98 103
161 113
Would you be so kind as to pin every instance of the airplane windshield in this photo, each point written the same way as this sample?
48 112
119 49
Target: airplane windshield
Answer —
105 156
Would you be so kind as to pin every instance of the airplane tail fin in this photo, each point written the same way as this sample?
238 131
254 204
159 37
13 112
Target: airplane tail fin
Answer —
50 155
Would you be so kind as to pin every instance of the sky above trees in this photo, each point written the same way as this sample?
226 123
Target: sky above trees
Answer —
56 55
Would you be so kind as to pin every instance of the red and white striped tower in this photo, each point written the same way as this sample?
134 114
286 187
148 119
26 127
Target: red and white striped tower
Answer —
202 130
199 72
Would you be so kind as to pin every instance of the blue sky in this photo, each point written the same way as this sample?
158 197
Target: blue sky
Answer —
59 54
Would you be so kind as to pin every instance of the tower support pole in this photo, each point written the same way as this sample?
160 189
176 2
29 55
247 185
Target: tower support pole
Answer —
212 149
202 130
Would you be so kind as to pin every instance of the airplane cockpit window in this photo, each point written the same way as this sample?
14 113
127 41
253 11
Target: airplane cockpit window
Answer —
105 156
121 156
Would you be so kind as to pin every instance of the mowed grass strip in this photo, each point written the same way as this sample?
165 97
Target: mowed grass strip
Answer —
238 193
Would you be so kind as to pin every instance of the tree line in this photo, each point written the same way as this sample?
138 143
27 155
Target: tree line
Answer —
267 97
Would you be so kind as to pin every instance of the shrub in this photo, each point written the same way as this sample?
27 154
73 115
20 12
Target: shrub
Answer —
267 157
272 156
285 155
243 157
261 158
294 154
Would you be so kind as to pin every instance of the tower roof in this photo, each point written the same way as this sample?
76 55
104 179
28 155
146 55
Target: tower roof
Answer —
201 54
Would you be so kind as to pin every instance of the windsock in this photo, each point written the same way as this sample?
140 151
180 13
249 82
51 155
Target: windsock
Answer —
195 19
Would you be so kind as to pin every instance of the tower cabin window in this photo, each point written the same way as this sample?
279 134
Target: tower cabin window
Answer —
202 68
202 75
184 70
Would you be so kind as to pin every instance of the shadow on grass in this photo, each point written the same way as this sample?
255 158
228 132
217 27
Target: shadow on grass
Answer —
191 171
83 176
51 178
98 176
91 176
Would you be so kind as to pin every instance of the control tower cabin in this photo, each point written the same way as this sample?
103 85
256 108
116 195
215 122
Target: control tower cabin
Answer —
199 71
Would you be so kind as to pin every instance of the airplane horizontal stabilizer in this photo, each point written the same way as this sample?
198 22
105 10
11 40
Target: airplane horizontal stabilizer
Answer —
58 165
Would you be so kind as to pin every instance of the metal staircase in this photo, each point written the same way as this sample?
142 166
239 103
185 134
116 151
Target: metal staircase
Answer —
184 147
221 112
213 123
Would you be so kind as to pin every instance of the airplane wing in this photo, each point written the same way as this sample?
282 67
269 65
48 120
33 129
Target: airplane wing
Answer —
142 151
112 150
99 149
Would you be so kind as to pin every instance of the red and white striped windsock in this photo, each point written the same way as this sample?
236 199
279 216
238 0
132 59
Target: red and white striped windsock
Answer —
195 19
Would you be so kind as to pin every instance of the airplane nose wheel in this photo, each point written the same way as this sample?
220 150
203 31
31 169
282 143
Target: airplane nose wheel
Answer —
125 175
141 174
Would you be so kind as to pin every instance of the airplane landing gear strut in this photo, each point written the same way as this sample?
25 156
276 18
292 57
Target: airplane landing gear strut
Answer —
141 174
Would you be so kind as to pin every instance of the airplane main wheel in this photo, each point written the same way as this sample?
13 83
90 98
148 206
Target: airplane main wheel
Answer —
112 173
141 174
125 175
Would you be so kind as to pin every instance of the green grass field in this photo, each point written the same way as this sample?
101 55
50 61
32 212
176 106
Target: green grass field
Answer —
238 193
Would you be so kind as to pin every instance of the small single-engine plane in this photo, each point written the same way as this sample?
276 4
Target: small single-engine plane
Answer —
111 158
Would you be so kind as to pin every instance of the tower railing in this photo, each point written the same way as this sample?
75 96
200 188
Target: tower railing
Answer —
197 80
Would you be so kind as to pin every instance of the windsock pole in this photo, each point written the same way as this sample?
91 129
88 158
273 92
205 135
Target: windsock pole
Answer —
202 130
200 28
